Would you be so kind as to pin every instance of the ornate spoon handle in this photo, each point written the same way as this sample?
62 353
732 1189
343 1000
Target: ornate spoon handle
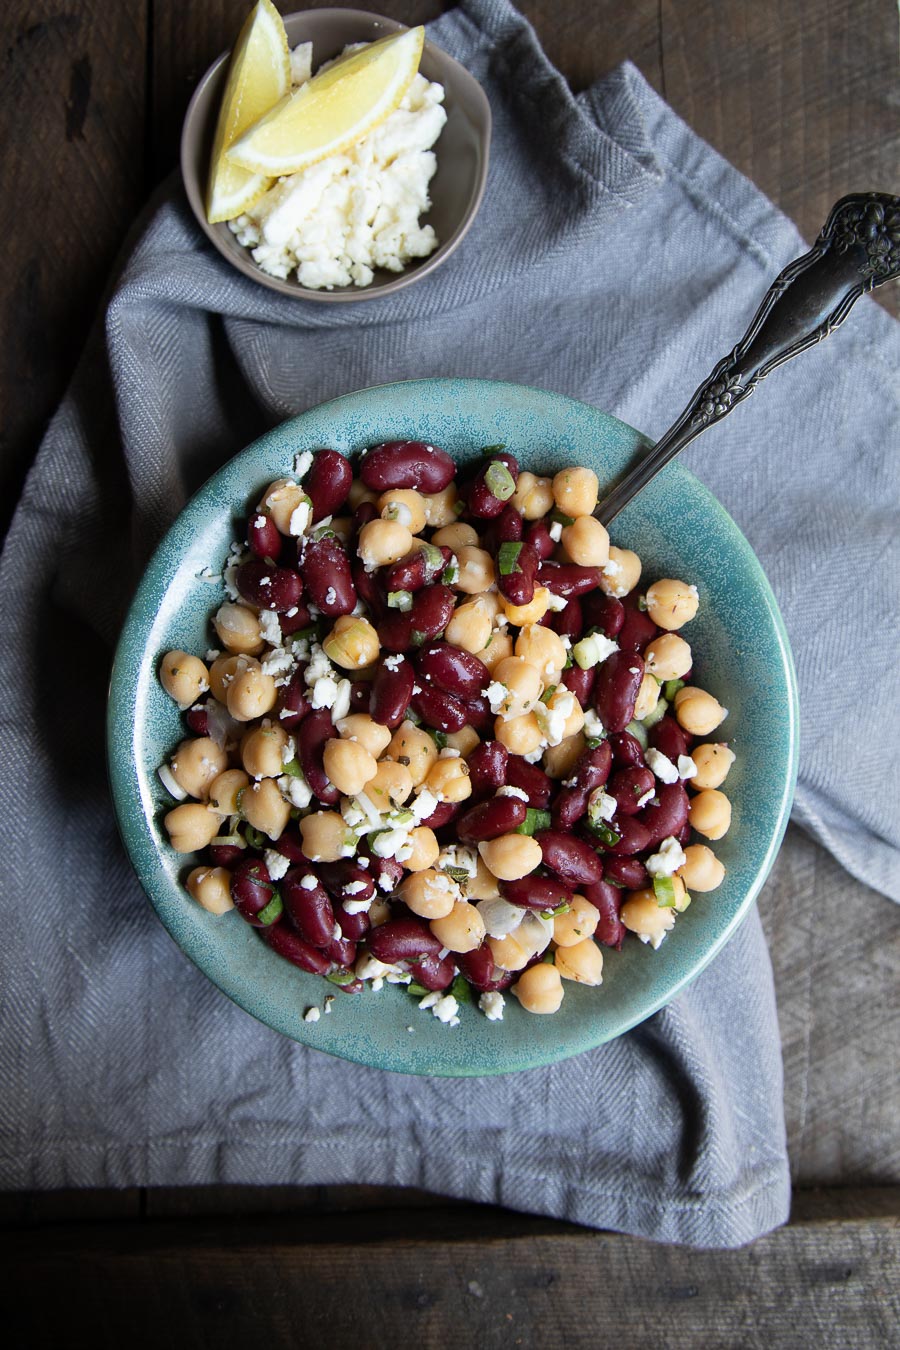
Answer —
857 250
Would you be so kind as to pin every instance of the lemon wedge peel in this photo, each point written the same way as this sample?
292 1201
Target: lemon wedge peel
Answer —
334 110
259 75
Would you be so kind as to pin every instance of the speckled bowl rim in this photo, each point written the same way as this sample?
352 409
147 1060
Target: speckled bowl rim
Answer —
134 670
195 125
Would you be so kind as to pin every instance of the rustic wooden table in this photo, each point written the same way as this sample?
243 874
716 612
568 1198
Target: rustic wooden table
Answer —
802 98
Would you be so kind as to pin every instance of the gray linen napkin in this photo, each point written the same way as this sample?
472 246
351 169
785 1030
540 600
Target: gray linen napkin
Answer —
614 259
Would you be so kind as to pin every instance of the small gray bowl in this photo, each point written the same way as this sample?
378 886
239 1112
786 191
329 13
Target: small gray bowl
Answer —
462 151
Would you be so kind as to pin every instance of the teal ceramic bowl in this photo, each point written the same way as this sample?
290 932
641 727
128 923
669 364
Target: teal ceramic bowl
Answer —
741 654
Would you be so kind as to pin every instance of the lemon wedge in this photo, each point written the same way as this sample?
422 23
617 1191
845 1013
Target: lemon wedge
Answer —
258 76
335 110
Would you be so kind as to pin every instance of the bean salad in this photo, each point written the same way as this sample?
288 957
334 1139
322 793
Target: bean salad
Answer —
444 738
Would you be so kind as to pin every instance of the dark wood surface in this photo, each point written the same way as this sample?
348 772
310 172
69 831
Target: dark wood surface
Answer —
802 98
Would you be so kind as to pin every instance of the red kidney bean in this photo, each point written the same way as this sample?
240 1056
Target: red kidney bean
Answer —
290 845
490 819
581 683
536 892
628 786
569 806
668 738
628 872
197 719
342 950
443 712
360 693
391 691
263 537
293 701
626 749
487 766
452 669
267 586
634 837
603 612
293 948
477 494
608 901
326 571
226 855
414 571
442 814
403 940
431 613
616 689
368 591
531 779
669 816
538 536
353 926
567 622
637 630
591 772
506 529
479 715
327 484
406 464
568 579
251 889
684 834
364 513
518 586
572 859
479 969
312 733
337 876
351 987
310 910
434 972
395 630
300 618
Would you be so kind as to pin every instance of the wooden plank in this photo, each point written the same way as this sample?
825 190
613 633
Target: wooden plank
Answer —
72 111
471 1277
196 1201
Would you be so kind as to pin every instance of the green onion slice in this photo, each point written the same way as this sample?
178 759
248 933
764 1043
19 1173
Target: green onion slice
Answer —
292 769
534 820
272 911
255 838
604 833
508 558
401 600
664 890
461 990
670 689
499 481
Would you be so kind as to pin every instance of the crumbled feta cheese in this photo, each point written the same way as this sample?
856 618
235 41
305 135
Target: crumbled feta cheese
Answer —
510 791
295 789
269 627
329 1002
312 1015
212 654
459 856
330 595
492 1005
647 797
661 765
601 806
443 1006
279 663
555 531
534 755
423 805
288 750
276 863
556 603
497 695
667 859
593 728
358 906
324 691
394 661
394 843
655 939
354 887
303 461
552 717
686 767
232 563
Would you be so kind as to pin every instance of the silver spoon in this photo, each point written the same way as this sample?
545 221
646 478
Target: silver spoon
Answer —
857 250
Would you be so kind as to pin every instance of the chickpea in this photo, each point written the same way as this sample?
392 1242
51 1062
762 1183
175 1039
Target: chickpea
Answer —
238 629
224 792
462 930
533 496
643 915
464 740
440 506
697 711
429 894
476 570
498 647
543 649
323 834
587 542
647 698
349 765
483 886
197 763
344 528
713 760
621 573
533 612
511 856
583 962
710 813
470 626
390 785
425 849
251 694
449 779
211 888
509 954
560 760
262 751
578 923
281 500
455 536
190 827
414 748
521 735
575 491
523 684
263 807
490 601
359 493
353 642
701 870
183 677
406 505
379 912
539 988
668 657
671 604
223 670
364 729
382 542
